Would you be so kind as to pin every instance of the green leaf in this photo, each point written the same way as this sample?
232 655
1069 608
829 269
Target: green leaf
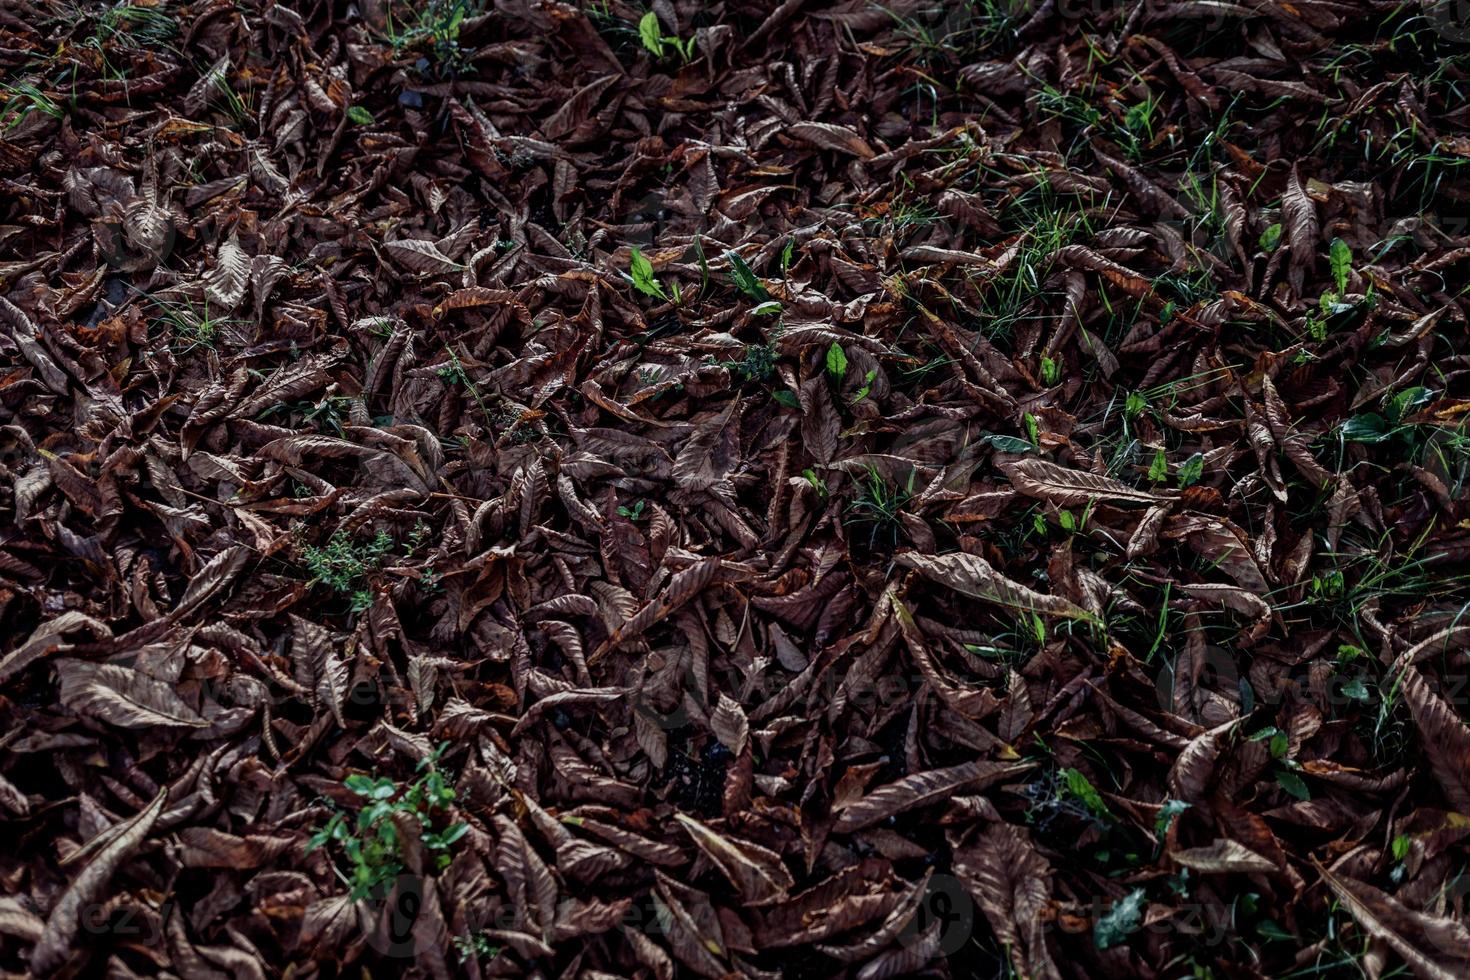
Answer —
640 270
1134 405
1050 370
867 386
453 834
1293 784
360 784
1341 258
1407 402
1270 237
360 116
786 254
1158 470
745 278
1068 522
1033 431
1279 745
836 361
1123 918
1191 470
1356 690
1316 327
1081 787
785 397
651 35
767 308
1277 741
1167 815
1009 444
1368 427
1401 846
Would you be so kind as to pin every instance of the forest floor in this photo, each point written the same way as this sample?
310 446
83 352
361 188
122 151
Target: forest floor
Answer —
726 489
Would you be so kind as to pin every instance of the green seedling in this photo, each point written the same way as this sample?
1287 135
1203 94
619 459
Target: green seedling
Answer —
371 839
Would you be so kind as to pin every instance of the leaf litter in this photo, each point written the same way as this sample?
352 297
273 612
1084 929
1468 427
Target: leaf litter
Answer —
764 489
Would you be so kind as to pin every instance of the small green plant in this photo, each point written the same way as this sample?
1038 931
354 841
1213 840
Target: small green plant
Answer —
1188 288
1158 470
1137 128
190 325
344 566
759 363
877 508
633 513
745 278
329 414
1122 919
1168 813
658 43
1341 259
818 484
433 28
1051 370
836 362
906 212
1036 625
1190 471
1332 306
128 27
371 840
136 25
475 947
953 33
1053 103
23 98
453 373
1076 784
1393 423
640 274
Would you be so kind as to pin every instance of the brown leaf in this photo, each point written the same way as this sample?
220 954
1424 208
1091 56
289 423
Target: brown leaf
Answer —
972 575
122 696
922 789
829 136
1444 737
1223 857
1445 956
1073 488
62 925
1299 215
420 257
225 285
727 721
758 874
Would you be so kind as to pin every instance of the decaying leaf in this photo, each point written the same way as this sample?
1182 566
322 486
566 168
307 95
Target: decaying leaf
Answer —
733 490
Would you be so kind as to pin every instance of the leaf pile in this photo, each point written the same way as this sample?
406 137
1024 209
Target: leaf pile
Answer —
734 489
